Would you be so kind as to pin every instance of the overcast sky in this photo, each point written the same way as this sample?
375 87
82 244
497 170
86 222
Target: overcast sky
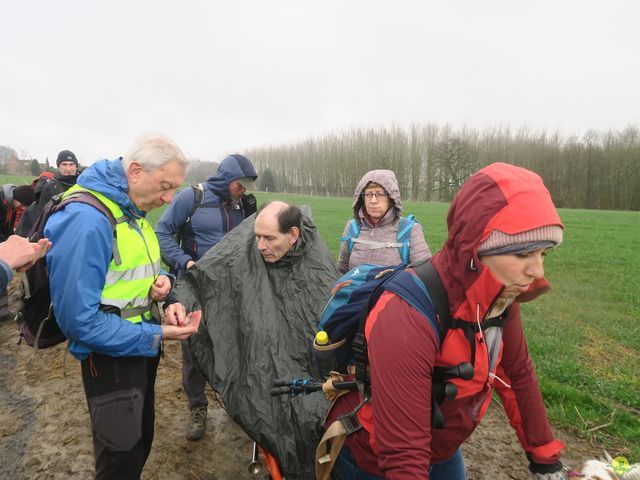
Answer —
222 77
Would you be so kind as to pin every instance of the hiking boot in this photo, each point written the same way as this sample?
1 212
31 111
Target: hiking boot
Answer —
197 424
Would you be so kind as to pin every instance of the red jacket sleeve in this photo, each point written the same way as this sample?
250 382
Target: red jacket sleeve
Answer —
523 402
402 352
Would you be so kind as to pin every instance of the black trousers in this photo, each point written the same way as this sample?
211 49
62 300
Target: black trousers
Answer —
120 395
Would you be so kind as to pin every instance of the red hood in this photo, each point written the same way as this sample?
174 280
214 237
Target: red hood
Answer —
502 197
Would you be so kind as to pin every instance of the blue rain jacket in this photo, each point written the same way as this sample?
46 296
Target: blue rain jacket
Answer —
78 261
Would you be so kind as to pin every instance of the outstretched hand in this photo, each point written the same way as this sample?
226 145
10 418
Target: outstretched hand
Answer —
20 254
188 326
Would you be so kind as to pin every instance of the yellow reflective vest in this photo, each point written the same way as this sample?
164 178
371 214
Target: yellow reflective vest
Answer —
134 266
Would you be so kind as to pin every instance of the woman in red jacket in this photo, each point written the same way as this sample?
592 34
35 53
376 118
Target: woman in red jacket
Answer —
501 224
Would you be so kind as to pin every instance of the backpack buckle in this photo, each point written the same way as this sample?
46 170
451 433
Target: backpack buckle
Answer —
350 422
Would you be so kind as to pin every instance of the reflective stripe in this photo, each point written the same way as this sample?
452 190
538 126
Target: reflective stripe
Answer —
136 273
134 312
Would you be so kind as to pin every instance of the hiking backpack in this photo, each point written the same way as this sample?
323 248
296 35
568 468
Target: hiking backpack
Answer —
248 204
341 342
357 291
402 243
36 319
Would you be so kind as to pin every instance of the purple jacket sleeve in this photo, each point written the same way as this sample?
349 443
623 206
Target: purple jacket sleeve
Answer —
419 249
343 259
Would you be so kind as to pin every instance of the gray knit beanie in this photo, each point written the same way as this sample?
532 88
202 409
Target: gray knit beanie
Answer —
500 243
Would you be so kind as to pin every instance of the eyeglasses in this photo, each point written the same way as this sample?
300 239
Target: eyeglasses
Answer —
370 195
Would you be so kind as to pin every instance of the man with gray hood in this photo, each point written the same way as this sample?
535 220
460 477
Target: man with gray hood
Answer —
197 219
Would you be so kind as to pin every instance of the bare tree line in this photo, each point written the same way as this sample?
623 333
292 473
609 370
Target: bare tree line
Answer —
600 170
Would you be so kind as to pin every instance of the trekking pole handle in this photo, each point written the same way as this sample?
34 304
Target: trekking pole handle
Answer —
348 385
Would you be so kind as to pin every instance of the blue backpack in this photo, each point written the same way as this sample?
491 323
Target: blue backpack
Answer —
341 342
356 292
403 237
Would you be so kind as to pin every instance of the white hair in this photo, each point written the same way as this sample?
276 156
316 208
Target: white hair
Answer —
153 151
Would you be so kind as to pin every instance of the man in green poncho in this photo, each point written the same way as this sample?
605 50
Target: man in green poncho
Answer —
261 290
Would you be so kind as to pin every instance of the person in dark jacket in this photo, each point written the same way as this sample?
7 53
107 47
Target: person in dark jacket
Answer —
185 236
12 199
500 226
46 188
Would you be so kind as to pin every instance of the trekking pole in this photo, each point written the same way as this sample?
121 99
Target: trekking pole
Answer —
255 467
304 386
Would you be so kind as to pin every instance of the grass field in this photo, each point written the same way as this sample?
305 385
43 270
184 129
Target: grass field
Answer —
584 336
16 179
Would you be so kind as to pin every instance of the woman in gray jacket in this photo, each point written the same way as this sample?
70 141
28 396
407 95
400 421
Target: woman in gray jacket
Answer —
378 234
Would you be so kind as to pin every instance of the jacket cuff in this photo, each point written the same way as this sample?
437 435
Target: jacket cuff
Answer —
6 271
153 338
549 453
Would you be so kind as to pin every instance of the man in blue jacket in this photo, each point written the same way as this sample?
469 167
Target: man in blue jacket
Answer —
104 293
185 235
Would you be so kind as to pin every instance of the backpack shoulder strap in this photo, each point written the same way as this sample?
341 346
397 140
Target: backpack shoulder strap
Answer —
198 196
354 231
88 198
429 276
403 237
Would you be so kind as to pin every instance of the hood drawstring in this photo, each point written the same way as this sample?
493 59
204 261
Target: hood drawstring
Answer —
491 374
496 377
472 267
478 322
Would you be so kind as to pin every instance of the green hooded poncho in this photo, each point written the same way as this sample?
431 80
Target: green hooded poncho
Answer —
258 322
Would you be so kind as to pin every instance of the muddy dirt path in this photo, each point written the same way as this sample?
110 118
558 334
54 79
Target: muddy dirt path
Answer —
45 431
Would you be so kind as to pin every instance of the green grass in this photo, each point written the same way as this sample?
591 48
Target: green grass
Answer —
16 179
584 336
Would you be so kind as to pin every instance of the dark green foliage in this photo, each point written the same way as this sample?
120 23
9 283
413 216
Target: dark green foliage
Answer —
267 181
35 168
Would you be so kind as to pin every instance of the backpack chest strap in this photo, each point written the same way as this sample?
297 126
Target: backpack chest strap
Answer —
378 245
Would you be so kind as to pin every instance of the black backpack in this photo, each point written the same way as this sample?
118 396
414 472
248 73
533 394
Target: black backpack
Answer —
36 320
